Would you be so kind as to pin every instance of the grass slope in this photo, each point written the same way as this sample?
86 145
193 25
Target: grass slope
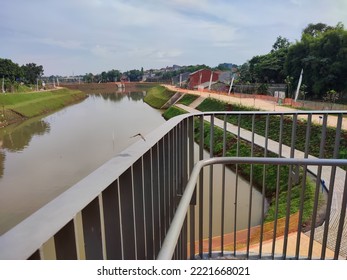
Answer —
158 96
34 104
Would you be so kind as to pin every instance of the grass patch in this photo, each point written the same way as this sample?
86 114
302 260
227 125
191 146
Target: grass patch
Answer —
38 103
158 96
187 99
172 112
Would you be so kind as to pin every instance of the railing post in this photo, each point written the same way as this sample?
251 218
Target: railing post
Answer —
92 230
65 243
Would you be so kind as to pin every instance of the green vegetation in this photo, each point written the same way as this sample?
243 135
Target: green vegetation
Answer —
187 99
321 53
244 150
172 112
14 75
29 105
210 104
158 96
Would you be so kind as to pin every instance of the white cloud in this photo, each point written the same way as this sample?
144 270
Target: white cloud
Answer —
65 44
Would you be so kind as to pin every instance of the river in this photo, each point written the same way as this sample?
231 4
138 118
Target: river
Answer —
42 157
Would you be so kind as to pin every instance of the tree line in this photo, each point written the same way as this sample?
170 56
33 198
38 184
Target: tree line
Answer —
322 55
13 74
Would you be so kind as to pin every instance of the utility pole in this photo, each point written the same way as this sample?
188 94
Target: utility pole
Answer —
231 85
3 85
299 84
209 86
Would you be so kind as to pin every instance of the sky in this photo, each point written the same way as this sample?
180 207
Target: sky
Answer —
74 37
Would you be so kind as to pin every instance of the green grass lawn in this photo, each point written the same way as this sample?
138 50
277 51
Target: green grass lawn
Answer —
187 99
158 96
37 103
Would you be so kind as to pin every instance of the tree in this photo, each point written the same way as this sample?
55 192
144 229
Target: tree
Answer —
89 78
281 43
32 72
245 74
134 75
331 96
270 68
103 77
322 53
303 91
289 81
113 75
10 70
316 29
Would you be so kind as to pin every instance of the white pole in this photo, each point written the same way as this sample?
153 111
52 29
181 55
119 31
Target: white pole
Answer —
209 86
299 84
231 85
180 80
3 85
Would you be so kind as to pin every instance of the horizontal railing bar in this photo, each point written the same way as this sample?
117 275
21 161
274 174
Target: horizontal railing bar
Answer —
276 161
174 231
286 113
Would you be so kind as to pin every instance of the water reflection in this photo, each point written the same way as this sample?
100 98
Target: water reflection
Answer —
16 138
116 97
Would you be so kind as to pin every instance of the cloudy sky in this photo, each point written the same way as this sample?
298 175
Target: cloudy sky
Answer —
79 36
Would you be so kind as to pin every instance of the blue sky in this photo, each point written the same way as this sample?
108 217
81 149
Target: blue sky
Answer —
79 36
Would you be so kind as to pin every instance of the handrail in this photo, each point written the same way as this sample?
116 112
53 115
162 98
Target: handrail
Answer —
169 244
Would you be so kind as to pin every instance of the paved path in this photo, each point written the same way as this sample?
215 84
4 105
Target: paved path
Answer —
260 104
273 146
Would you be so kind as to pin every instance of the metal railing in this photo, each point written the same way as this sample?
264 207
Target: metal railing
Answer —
169 246
127 208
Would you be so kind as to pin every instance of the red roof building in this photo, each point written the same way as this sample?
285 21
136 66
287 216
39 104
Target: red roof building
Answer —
200 77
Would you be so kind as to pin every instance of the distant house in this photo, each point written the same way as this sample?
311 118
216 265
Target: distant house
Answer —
201 77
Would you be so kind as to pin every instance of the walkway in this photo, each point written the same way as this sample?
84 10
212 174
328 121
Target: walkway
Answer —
274 146
260 104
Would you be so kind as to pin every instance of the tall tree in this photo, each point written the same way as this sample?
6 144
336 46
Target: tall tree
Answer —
322 53
32 72
10 70
270 68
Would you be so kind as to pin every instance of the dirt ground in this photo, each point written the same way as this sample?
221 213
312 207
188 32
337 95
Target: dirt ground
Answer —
263 105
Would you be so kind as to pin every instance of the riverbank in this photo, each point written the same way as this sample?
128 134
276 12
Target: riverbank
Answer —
158 96
16 107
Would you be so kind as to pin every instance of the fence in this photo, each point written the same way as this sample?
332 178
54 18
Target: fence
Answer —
128 207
